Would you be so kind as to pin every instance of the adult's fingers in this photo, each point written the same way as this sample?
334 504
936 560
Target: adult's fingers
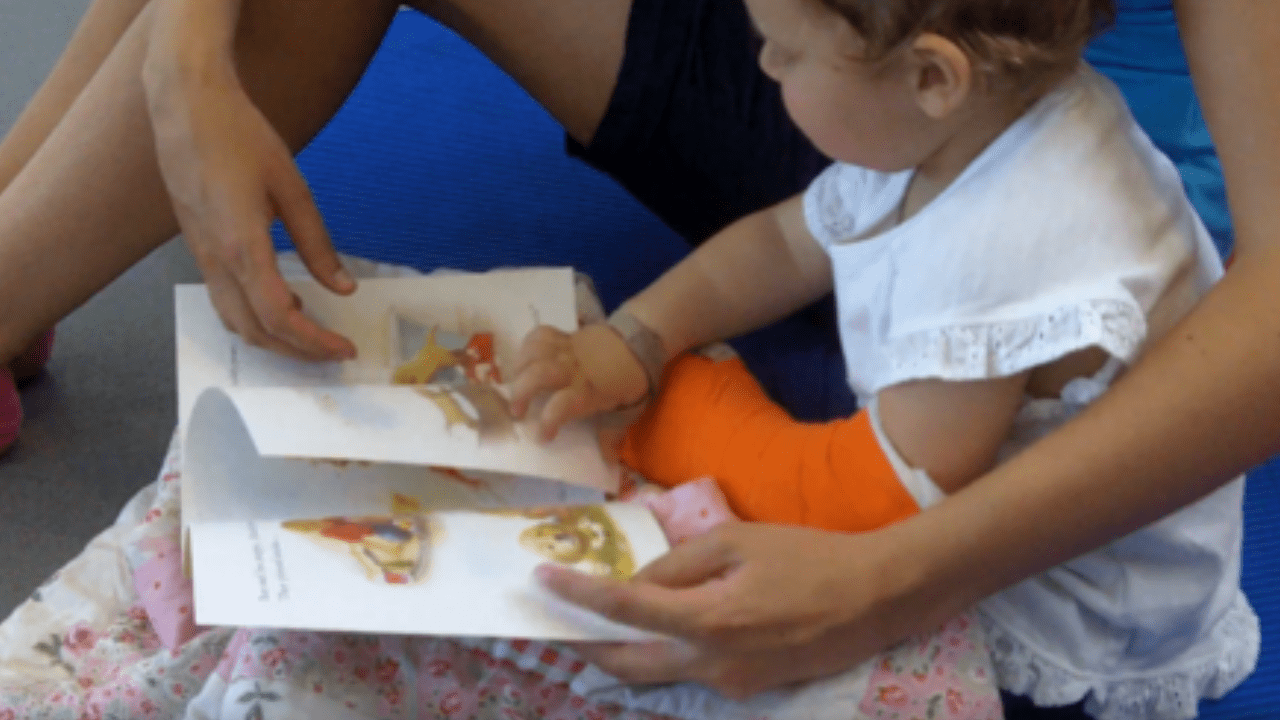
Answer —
696 561
226 291
283 320
641 663
272 302
676 613
238 317
297 209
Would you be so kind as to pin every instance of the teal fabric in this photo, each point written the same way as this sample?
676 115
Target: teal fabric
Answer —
1142 53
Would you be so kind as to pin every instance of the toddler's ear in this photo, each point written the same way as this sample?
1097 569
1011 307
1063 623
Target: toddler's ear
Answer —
941 75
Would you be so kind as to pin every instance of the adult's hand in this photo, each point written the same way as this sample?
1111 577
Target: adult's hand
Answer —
752 607
230 175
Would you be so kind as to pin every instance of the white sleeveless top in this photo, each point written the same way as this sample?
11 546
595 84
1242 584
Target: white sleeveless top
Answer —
1069 231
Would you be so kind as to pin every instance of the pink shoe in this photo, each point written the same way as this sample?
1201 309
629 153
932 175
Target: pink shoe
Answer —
10 410
34 358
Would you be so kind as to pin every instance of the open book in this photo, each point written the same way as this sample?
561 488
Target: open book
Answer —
393 493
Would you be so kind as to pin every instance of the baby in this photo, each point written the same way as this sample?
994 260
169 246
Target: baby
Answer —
1002 240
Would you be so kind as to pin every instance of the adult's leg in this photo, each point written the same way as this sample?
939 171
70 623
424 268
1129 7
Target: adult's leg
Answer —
565 53
90 202
97 34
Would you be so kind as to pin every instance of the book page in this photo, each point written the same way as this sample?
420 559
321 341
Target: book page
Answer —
407 570
506 304
390 493
225 479
428 386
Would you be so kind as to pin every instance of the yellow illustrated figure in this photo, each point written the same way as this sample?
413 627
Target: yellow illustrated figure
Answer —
468 359
458 375
451 405
432 358
583 537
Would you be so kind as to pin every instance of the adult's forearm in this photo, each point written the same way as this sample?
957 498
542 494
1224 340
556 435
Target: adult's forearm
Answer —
1201 408
1233 49
191 42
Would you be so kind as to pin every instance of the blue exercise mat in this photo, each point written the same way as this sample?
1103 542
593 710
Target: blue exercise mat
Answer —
1257 697
439 160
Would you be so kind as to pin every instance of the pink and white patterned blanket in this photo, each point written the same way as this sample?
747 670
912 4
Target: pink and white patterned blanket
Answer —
111 635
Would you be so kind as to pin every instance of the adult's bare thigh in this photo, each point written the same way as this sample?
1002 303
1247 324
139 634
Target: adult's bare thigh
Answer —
565 53
91 202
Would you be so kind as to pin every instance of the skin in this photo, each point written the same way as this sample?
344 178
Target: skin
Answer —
1200 408
89 200
91 164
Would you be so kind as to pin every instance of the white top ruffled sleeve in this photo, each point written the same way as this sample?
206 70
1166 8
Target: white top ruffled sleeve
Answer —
1069 231
1036 250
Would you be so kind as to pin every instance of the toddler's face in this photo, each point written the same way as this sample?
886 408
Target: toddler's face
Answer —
850 110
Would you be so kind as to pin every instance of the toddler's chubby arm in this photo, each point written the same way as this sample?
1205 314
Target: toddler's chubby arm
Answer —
753 272
758 270
951 430
954 430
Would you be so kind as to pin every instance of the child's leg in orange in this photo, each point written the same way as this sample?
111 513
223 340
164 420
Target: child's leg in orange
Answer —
712 419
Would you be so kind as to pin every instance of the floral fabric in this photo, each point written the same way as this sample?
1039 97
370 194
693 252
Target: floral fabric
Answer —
98 641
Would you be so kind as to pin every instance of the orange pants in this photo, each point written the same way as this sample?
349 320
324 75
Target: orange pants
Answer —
712 419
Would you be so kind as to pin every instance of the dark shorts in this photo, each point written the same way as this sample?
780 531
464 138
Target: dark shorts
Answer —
695 130
1017 707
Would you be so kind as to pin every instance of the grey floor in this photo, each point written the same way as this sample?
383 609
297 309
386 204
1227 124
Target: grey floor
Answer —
100 418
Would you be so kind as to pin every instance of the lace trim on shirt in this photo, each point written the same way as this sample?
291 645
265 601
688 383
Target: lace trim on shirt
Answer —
999 349
1227 656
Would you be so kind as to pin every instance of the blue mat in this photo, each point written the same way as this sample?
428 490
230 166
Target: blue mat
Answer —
1257 697
439 160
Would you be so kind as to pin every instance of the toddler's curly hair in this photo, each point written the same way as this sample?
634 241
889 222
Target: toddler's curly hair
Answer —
1029 44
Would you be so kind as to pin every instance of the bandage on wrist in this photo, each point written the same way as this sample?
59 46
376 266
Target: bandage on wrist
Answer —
644 344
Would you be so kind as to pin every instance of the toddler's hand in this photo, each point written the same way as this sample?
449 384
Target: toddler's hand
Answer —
588 372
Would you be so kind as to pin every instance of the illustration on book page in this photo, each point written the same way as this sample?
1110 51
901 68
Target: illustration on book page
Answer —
583 537
395 549
458 373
